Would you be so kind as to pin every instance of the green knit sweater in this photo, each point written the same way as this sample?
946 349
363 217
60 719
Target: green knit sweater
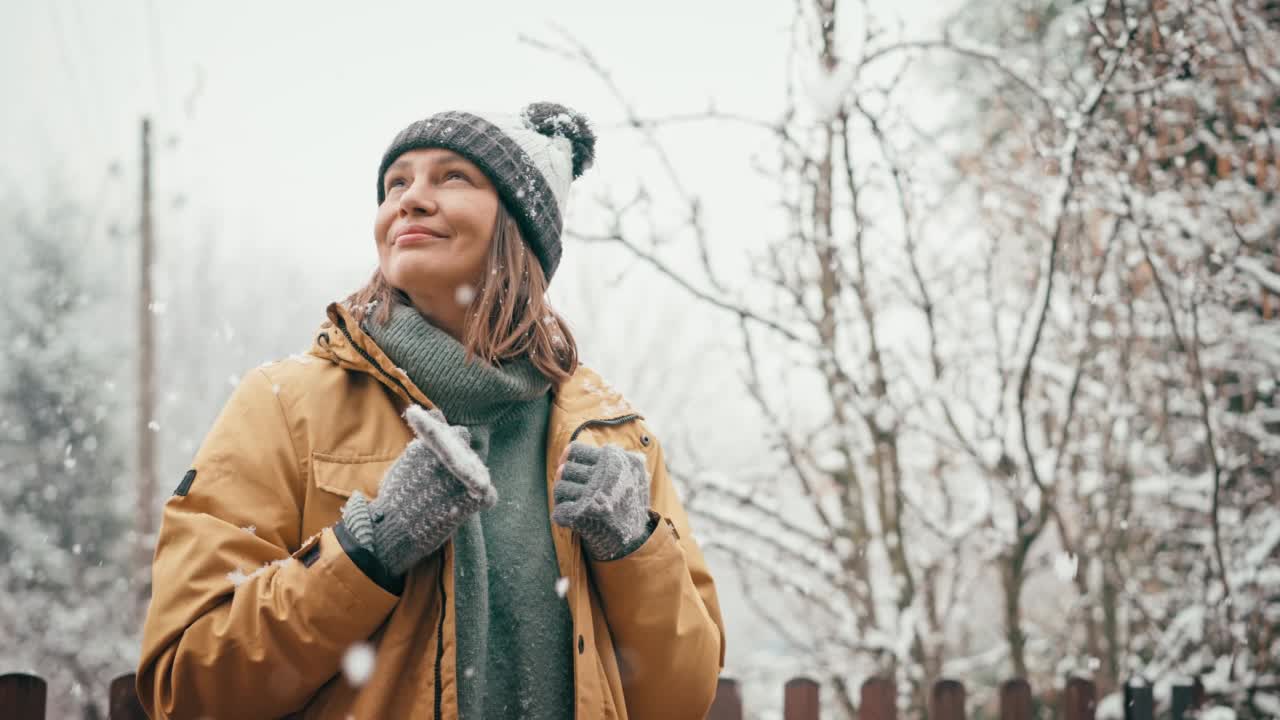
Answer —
514 632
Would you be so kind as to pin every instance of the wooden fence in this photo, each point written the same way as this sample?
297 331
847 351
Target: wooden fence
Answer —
878 700
22 697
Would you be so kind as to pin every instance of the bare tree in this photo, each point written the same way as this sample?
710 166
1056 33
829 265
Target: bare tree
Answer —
1012 351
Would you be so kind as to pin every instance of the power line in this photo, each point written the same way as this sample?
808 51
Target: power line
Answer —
73 77
157 61
82 31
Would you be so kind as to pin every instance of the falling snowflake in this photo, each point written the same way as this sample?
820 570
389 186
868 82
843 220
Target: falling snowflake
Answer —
153 426
464 294
357 664
562 586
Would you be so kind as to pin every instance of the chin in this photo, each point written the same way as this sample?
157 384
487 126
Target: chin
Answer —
413 273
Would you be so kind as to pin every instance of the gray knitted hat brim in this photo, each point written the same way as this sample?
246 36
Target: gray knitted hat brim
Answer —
522 188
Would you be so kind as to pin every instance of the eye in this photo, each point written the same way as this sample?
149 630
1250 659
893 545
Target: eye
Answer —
393 182
458 174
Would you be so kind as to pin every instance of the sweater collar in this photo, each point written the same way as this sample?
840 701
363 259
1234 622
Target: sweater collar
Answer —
468 393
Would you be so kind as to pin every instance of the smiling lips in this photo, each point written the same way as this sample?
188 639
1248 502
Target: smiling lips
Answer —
417 234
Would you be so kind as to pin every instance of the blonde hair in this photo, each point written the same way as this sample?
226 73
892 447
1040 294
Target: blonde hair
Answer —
509 316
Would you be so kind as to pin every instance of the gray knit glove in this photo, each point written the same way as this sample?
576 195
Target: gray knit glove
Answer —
602 493
431 489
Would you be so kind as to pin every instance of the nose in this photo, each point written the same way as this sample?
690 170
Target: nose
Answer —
418 199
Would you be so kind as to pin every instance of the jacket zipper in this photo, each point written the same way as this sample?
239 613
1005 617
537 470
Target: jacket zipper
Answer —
444 605
342 325
444 597
610 421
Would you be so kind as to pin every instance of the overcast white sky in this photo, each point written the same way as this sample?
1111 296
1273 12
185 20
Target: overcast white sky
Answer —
271 116
280 110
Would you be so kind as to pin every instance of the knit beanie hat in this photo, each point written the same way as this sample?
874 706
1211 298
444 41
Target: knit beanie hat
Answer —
531 158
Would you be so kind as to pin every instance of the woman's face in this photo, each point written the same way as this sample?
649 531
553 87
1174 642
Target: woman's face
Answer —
435 226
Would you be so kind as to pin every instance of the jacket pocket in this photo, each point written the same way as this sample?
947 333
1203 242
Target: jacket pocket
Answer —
333 478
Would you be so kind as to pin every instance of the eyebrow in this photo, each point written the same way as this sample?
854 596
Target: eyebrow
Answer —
456 159
451 159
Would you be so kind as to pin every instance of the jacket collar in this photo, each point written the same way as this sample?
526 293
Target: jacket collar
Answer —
583 399
341 341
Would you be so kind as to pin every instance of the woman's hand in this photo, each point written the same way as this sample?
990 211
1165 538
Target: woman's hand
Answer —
431 489
602 493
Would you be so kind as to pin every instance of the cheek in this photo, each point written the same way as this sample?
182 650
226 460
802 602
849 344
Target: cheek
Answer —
382 222
479 231
383 257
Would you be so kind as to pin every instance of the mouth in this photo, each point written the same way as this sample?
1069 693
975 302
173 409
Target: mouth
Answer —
417 235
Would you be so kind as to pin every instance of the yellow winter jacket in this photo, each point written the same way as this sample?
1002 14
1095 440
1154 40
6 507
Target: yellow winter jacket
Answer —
255 602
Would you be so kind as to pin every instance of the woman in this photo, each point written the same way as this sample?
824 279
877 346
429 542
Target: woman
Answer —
437 496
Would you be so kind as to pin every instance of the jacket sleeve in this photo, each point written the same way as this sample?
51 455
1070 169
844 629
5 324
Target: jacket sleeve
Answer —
246 619
663 613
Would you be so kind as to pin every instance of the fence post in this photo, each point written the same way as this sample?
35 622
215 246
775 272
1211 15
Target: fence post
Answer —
1079 701
728 702
22 696
124 699
1186 698
947 702
1015 700
879 700
800 700
1138 704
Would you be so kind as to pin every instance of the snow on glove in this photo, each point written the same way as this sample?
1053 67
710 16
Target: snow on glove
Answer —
431 489
602 493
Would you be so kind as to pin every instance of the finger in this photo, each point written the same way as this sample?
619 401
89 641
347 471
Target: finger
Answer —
583 453
573 472
565 515
567 492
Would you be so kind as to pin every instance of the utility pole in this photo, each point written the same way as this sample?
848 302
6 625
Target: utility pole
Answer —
143 524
